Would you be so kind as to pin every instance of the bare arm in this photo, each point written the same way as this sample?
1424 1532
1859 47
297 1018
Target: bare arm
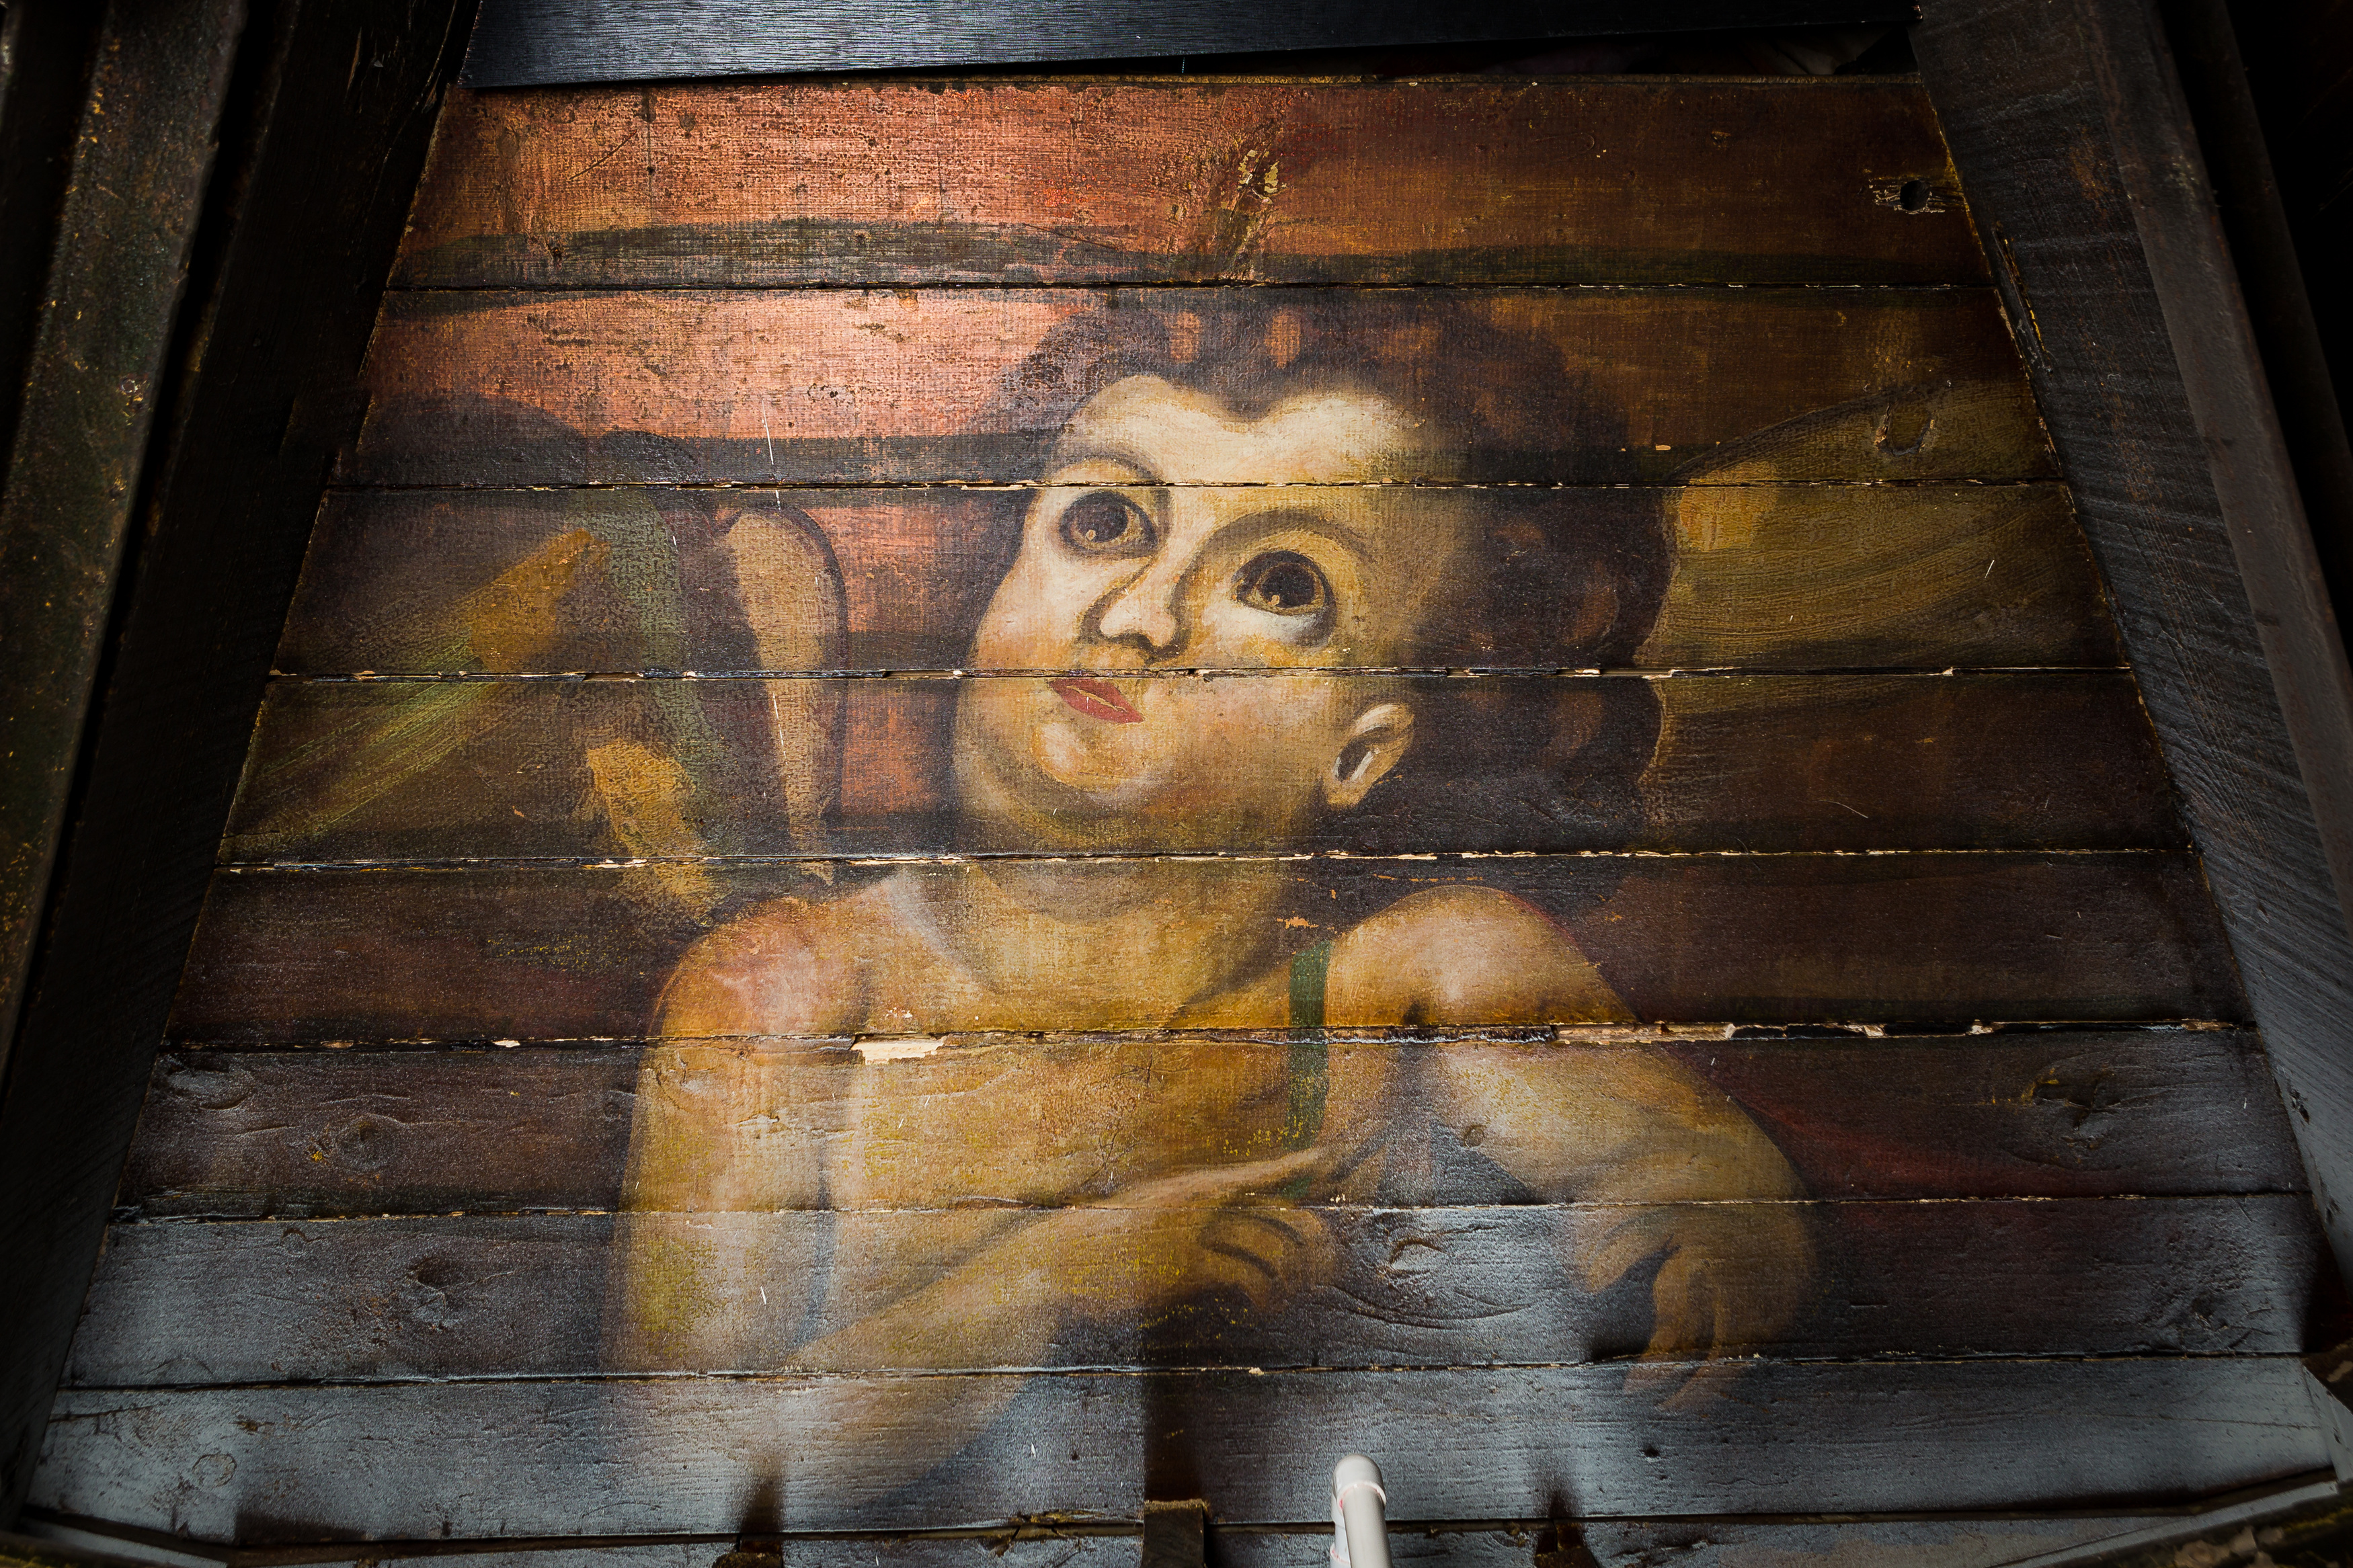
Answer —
729 1248
722 1203
1658 1160
1092 1267
725 1234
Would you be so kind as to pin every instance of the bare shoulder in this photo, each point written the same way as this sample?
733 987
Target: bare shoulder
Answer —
784 967
1468 955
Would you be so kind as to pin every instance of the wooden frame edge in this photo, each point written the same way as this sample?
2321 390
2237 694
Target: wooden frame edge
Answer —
2069 126
343 96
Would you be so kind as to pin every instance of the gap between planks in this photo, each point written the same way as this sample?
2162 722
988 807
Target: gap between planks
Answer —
130 1217
788 486
1823 1032
1088 1525
1028 857
1191 1370
1198 285
1419 672
1079 77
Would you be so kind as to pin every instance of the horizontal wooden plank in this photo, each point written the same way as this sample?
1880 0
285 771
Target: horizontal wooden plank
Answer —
437 771
2047 1113
1987 1542
374 1300
1561 180
570 951
342 1132
1992 1541
474 1460
2062 1113
1787 576
1797 576
1919 762
830 387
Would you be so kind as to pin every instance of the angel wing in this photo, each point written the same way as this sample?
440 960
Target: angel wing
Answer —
1789 553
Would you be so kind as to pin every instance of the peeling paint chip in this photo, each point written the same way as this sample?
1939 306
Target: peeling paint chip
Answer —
896 1050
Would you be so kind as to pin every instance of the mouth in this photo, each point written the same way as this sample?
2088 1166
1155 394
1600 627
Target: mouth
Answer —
1096 699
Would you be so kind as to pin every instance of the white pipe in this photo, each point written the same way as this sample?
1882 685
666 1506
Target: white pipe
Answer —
1360 1536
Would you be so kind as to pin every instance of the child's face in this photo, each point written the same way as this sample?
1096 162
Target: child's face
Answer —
1178 536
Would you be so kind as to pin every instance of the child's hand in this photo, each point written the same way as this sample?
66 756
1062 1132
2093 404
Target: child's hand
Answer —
1734 1276
1157 1243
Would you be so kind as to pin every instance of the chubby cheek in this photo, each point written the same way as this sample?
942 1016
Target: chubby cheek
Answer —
1253 749
1234 637
1033 620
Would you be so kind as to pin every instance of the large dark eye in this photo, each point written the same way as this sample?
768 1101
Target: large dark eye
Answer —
1106 524
1284 583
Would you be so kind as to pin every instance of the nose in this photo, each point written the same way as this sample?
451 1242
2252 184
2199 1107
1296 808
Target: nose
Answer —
1146 609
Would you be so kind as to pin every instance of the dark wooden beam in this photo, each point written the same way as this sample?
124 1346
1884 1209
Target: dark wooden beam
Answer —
2295 54
2070 130
1173 1534
2264 250
522 43
44 58
335 101
117 205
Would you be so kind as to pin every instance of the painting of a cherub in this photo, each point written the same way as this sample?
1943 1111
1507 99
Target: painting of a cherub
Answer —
992 800
1255 546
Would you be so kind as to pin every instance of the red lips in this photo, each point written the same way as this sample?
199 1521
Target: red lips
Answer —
1096 699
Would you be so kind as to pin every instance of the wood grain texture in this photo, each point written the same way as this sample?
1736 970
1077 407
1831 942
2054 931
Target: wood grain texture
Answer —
327 161
438 770
387 1299
563 953
531 42
1853 479
2117 311
1792 576
872 386
505 1458
2306 1525
1560 180
2067 1113
102 311
1987 1542
2254 188
41 117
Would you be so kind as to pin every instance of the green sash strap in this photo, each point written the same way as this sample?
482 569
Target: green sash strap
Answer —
1311 1056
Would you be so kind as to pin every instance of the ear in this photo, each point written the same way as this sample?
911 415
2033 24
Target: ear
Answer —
1375 743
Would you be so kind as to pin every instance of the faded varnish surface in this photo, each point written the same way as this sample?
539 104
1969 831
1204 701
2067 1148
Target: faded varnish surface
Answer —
919 856
1058 182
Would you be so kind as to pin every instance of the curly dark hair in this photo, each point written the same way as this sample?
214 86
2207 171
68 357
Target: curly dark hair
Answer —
1557 578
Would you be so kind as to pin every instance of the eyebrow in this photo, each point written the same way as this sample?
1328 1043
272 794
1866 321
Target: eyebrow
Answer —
1274 518
1355 541
1060 458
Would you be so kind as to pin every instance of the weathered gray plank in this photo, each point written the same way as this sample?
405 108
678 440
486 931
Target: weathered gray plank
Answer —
1612 1543
1108 1542
469 1296
329 148
1711 1544
2129 311
408 1462
2047 1114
